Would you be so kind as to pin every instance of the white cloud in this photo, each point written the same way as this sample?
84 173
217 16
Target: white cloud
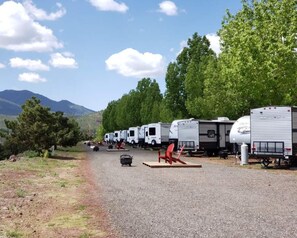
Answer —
19 32
214 42
109 5
63 60
40 14
31 78
33 65
2 66
168 7
132 63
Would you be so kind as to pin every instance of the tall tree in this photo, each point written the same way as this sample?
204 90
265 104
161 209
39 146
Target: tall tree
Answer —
36 128
151 98
258 61
200 55
174 97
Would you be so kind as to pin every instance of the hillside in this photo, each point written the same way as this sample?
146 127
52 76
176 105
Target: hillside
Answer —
87 123
12 100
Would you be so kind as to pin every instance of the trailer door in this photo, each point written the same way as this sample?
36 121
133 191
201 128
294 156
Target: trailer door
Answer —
222 135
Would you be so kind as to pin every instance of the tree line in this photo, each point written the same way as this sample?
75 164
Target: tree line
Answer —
257 66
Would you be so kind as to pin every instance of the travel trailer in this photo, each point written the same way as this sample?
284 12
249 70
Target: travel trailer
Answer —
158 134
123 135
108 137
116 136
133 135
208 136
240 133
141 135
274 134
173 132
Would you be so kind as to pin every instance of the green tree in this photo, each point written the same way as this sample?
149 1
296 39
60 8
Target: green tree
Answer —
200 55
174 96
151 97
66 131
37 129
258 61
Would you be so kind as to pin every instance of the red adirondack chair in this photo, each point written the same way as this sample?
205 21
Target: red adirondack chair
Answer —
168 154
177 159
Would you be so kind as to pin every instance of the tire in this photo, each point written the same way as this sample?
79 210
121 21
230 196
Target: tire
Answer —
153 143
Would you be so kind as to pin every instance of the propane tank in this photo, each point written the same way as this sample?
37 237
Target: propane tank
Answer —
244 154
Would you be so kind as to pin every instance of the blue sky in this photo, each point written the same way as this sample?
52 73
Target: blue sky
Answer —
91 52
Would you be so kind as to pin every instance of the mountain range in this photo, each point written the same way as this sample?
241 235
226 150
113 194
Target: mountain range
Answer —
11 102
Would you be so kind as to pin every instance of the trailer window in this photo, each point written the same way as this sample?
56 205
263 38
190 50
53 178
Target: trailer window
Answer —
131 133
152 131
116 134
211 133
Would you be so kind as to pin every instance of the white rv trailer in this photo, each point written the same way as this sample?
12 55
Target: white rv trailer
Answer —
173 132
108 137
141 135
274 134
240 133
158 133
116 136
208 136
133 135
123 135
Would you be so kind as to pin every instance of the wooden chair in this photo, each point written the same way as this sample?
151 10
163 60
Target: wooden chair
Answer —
177 159
168 154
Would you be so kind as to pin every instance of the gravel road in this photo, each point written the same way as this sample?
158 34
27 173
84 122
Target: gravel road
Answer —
212 201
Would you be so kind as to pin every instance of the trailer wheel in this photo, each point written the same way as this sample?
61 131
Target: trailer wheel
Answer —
265 162
153 142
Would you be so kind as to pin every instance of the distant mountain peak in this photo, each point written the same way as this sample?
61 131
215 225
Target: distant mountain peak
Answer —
12 100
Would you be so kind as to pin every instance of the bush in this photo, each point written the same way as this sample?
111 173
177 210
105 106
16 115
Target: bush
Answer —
31 153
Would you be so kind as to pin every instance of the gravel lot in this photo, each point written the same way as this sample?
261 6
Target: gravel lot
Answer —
212 201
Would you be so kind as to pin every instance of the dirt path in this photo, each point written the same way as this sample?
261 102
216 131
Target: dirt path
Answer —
50 198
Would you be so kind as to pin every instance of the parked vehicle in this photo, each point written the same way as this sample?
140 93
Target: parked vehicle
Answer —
240 133
142 135
123 135
108 137
117 136
274 134
158 134
133 135
208 136
173 132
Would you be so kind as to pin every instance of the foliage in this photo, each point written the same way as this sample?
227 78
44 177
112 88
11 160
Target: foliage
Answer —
140 106
37 129
258 60
256 67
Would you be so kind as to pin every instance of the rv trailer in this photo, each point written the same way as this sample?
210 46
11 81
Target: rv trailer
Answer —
133 135
141 135
116 136
240 133
123 135
108 137
274 134
207 136
157 134
173 132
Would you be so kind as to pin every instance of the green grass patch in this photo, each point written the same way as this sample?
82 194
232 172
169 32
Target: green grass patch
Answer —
20 193
15 234
69 221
